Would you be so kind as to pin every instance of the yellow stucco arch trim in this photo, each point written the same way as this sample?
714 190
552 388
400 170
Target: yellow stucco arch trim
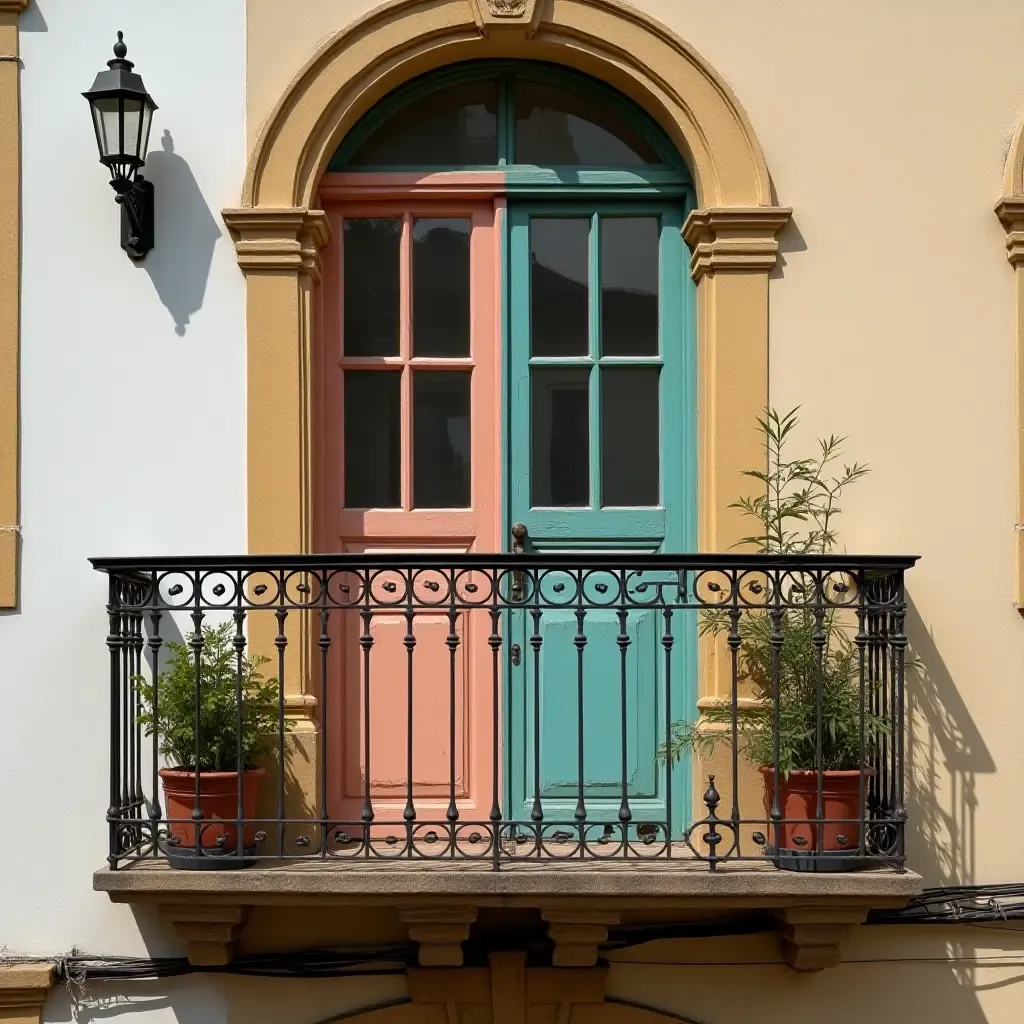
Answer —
1010 210
606 38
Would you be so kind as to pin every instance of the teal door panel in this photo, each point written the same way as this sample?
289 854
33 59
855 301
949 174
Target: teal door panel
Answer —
600 457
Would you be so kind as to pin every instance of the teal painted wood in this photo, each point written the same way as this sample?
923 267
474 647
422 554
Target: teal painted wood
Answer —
672 173
652 701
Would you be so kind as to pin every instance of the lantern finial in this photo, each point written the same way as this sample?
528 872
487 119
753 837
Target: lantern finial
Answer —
120 50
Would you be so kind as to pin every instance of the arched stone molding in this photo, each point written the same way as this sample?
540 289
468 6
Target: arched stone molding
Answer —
1010 211
278 230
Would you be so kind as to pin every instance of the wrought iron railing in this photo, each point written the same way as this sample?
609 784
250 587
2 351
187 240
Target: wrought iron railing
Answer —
502 709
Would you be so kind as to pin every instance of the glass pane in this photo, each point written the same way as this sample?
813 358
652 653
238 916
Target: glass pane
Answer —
147 122
373 438
629 286
132 126
440 287
558 286
458 125
554 126
440 440
104 115
629 436
371 255
559 443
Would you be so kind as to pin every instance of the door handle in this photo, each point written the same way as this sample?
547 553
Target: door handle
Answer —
519 535
517 654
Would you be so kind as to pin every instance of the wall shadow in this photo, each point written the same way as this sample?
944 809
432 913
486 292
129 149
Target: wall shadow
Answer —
186 233
32 20
945 754
790 240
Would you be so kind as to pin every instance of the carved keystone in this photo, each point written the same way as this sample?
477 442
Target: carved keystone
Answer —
812 937
209 933
440 932
577 934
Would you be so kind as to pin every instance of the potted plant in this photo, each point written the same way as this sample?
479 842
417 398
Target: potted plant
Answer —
169 709
796 510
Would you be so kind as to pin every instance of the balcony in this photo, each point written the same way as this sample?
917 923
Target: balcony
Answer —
595 739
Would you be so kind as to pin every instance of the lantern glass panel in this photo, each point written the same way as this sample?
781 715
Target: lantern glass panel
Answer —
132 127
147 121
106 119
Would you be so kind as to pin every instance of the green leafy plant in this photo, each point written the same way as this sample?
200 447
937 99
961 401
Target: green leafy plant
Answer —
795 509
174 698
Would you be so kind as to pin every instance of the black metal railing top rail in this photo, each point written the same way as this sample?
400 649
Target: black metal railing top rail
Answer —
504 708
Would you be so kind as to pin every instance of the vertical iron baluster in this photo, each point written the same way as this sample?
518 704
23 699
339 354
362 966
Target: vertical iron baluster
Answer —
325 650
536 640
860 642
667 643
366 645
625 816
125 630
874 794
410 646
884 786
281 643
777 638
734 640
155 643
452 642
114 648
494 640
197 643
712 837
239 645
580 642
134 704
818 639
899 643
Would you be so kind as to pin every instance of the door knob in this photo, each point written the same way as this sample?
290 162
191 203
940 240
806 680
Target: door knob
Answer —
519 535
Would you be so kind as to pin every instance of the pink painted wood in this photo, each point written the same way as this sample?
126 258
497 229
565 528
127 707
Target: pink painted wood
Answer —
407 529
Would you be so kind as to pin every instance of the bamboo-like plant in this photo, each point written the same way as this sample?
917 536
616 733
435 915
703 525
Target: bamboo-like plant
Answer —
796 511
174 698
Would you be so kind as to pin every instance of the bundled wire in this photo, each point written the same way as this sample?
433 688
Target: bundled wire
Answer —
964 904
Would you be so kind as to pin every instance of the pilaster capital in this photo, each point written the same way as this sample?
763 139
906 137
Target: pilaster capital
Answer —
278 239
1010 211
734 238
439 931
208 933
23 989
812 937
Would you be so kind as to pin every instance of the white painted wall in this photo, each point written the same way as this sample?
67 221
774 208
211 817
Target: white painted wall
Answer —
133 419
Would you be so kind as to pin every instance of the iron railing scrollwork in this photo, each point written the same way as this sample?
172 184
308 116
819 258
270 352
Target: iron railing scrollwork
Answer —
352 638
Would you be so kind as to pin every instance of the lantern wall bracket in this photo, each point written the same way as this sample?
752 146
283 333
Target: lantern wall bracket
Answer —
136 199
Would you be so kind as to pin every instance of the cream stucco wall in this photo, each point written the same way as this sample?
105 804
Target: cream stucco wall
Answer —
884 126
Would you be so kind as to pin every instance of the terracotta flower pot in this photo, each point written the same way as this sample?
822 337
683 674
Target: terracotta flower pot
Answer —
218 799
796 845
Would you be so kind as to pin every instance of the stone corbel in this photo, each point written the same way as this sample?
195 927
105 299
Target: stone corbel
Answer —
209 933
279 239
23 989
734 238
439 931
812 937
577 934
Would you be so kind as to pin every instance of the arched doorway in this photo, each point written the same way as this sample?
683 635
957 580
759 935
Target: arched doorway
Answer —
507 357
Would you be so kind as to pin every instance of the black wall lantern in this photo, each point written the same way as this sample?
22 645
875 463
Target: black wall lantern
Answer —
122 112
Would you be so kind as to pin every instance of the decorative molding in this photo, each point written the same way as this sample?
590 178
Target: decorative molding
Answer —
507 8
10 298
577 934
274 240
811 937
439 931
23 989
734 239
208 932
1010 211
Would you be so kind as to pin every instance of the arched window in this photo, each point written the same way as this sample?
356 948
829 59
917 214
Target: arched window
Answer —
497 116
